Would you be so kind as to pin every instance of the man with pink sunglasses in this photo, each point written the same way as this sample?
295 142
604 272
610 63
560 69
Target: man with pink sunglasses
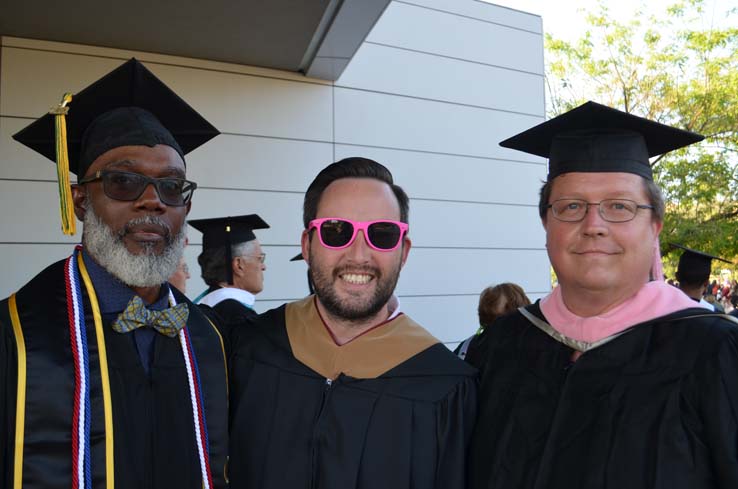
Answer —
341 389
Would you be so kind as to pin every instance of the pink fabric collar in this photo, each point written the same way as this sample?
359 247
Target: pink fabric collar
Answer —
654 299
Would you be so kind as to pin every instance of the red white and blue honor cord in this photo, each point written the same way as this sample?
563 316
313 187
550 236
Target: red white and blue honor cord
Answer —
81 472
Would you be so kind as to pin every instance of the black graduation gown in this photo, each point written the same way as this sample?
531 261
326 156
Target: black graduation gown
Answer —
226 315
655 408
291 428
154 441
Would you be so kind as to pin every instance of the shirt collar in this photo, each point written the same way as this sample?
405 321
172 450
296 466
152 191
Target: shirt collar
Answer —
219 295
113 295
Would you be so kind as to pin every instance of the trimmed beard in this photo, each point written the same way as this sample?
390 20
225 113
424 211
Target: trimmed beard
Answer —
110 252
340 308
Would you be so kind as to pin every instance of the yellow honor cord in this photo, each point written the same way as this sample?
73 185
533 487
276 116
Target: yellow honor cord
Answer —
69 224
20 400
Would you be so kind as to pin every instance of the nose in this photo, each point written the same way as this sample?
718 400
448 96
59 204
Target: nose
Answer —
149 199
593 224
359 250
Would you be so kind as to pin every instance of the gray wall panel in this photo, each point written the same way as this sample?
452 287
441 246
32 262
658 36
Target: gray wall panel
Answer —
389 121
460 37
437 78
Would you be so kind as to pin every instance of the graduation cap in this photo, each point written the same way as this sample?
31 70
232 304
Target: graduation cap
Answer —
224 232
297 257
127 107
694 266
597 138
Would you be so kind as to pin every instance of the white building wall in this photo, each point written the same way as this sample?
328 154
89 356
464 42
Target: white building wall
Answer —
433 89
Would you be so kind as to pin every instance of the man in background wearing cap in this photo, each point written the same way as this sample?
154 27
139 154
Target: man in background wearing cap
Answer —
109 376
615 379
341 390
231 264
693 274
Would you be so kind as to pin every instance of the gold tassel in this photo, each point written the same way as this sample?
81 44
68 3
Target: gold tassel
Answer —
68 220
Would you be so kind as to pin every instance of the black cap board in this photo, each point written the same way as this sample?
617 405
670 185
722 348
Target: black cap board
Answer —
297 257
694 266
597 138
127 107
218 231
224 232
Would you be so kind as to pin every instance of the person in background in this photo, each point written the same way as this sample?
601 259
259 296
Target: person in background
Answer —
615 378
181 275
232 264
693 274
494 302
110 377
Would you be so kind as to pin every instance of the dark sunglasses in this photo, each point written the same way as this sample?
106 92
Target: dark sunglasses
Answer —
127 186
336 233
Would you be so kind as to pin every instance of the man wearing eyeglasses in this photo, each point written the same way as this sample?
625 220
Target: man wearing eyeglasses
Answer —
110 377
232 265
614 379
341 389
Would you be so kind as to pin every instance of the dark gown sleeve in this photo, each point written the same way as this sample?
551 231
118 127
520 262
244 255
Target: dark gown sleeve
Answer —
8 382
455 422
712 392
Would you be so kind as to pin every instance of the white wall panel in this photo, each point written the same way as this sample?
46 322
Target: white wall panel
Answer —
245 104
459 37
282 210
449 177
465 225
232 102
431 271
16 160
34 81
233 161
451 80
375 119
29 212
481 10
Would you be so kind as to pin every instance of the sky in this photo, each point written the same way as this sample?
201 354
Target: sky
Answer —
562 19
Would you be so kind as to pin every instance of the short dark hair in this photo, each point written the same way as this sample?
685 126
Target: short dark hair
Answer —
213 262
655 198
354 167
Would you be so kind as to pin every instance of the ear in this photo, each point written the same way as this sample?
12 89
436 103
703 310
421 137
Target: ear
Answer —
407 243
305 245
189 206
237 266
79 195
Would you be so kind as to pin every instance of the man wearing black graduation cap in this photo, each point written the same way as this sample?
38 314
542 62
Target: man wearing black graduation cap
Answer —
615 379
110 377
232 265
341 390
693 274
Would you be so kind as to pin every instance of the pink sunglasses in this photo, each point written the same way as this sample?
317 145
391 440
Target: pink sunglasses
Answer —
336 233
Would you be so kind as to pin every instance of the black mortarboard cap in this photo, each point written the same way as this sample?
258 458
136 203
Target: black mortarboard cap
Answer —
218 231
694 266
127 107
297 257
224 232
597 138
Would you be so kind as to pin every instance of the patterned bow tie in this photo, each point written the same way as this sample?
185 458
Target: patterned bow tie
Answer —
167 322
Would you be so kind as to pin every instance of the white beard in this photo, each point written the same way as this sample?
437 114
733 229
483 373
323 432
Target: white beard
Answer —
109 251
